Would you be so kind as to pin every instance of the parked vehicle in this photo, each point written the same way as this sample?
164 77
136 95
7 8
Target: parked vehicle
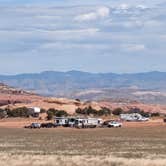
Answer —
87 122
48 125
133 117
61 121
78 122
114 124
34 126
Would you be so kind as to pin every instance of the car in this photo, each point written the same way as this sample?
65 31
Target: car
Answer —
114 124
34 126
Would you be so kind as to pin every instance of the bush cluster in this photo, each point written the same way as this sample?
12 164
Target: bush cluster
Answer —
53 112
117 111
91 111
18 112
155 114
24 112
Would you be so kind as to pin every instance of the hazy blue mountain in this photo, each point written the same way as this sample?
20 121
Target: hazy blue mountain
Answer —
70 84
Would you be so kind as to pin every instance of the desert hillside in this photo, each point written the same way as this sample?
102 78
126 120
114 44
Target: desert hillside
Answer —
13 98
148 87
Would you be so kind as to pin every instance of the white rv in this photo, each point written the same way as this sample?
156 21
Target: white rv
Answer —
61 121
88 122
133 117
78 122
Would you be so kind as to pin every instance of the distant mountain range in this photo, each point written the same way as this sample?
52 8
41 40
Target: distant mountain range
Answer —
148 87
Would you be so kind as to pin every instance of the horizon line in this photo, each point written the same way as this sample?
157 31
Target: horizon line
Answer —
82 71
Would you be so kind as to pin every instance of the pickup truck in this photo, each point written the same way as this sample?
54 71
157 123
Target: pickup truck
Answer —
114 124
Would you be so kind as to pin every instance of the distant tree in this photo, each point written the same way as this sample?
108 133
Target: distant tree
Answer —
42 110
61 113
104 111
90 111
53 112
155 114
78 100
79 111
117 111
18 112
50 115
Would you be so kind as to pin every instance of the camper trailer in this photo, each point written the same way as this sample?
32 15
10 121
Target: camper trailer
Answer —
61 121
78 122
133 117
87 122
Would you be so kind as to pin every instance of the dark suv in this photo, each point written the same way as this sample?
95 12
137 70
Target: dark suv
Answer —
48 125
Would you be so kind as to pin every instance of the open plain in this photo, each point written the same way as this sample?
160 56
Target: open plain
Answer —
129 145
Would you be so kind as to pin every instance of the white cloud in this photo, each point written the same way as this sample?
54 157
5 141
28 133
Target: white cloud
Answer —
133 47
83 31
123 6
140 6
101 12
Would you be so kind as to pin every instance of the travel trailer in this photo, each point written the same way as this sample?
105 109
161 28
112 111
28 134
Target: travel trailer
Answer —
133 117
61 121
78 122
87 122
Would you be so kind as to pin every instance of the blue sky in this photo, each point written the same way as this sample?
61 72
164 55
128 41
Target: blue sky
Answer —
96 36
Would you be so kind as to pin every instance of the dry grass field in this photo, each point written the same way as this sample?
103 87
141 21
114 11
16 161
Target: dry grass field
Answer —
145 146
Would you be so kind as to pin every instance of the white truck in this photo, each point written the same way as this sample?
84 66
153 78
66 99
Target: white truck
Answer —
114 124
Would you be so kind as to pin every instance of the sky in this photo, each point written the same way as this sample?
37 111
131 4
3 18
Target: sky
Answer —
122 36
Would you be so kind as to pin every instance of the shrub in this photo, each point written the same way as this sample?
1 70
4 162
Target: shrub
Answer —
90 110
80 111
104 111
50 115
117 111
155 114
86 111
18 112
53 112
42 110
61 113
78 100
